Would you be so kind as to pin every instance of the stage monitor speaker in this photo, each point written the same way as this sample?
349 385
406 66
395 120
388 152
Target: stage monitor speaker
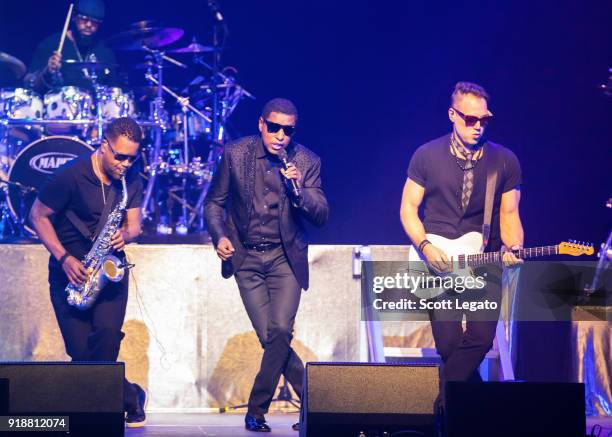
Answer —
4 396
505 409
90 394
342 399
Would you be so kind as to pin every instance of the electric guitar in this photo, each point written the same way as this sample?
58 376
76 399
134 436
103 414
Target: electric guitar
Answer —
465 254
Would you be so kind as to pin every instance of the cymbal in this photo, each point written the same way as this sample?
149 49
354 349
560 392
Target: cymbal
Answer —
194 47
15 65
145 33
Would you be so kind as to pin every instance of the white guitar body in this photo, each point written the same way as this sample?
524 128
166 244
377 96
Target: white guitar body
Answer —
461 251
467 244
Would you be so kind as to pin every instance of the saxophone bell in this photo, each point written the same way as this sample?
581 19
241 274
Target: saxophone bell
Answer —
113 268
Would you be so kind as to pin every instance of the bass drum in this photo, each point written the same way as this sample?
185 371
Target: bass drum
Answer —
34 165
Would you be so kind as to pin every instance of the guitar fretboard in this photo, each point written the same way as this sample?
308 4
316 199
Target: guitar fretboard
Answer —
481 259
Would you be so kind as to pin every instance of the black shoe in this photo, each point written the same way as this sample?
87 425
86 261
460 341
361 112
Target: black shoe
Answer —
137 418
296 426
257 425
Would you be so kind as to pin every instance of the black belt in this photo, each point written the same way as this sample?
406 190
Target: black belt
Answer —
261 247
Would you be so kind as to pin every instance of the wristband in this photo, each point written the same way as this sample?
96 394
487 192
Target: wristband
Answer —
63 258
423 244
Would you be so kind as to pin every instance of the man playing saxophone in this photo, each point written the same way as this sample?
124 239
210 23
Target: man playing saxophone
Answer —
70 213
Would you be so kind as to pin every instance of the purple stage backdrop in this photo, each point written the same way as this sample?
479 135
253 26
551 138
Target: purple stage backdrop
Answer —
372 81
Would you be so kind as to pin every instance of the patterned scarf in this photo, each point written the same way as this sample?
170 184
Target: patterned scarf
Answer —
468 170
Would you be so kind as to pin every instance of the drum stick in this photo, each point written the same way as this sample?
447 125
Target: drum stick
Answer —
61 44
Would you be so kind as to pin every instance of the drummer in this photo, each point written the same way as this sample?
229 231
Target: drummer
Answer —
50 70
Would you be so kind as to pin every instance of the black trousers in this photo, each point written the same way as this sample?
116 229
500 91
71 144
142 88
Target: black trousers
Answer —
271 296
94 334
463 351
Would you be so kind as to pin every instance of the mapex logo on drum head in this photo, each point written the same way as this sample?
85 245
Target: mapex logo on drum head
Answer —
50 161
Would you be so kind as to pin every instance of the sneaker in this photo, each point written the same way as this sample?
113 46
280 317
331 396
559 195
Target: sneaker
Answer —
138 418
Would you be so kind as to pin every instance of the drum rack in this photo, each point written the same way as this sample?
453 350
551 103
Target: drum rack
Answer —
180 151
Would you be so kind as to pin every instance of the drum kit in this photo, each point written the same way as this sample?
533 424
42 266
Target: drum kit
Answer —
184 131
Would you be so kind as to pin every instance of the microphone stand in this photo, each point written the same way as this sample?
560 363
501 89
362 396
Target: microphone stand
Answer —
605 257
218 27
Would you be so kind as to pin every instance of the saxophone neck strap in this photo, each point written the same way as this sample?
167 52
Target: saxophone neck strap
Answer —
78 223
108 207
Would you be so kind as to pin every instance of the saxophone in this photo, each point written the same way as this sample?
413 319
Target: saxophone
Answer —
99 262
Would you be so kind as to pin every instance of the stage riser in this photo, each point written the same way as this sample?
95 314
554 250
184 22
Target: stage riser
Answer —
188 338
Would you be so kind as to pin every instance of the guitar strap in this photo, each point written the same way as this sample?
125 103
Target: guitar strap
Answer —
489 197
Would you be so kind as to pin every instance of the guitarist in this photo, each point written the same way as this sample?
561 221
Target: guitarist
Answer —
447 178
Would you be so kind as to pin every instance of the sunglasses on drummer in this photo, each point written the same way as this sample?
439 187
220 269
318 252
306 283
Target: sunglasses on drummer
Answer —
120 156
85 18
471 120
275 127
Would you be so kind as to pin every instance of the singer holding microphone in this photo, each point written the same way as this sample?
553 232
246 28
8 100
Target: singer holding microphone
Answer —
266 186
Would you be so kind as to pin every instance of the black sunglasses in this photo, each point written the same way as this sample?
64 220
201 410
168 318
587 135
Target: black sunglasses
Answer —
471 120
275 127
86 18
120 156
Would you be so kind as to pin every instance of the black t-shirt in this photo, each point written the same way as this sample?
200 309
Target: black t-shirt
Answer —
76 187
72 76
434 167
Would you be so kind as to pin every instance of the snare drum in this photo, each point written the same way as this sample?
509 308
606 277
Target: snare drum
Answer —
117 103
20 103
69 103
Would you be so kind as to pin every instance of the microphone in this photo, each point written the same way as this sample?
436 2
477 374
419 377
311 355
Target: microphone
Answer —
295 190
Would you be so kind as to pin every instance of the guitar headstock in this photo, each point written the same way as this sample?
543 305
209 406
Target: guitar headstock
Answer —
574 248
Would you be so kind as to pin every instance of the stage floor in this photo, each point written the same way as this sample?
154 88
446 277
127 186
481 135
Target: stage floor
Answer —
218 425
232 425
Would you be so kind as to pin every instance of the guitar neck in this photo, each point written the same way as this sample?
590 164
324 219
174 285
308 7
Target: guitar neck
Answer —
480 259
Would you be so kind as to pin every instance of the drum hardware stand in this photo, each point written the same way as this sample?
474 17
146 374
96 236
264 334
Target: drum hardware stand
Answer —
227 108
16 230
5 128
183 224
224 78
93 77
220 78
221 109
159 116
213 157
183 101
198 210
9 227
173 195
4 142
